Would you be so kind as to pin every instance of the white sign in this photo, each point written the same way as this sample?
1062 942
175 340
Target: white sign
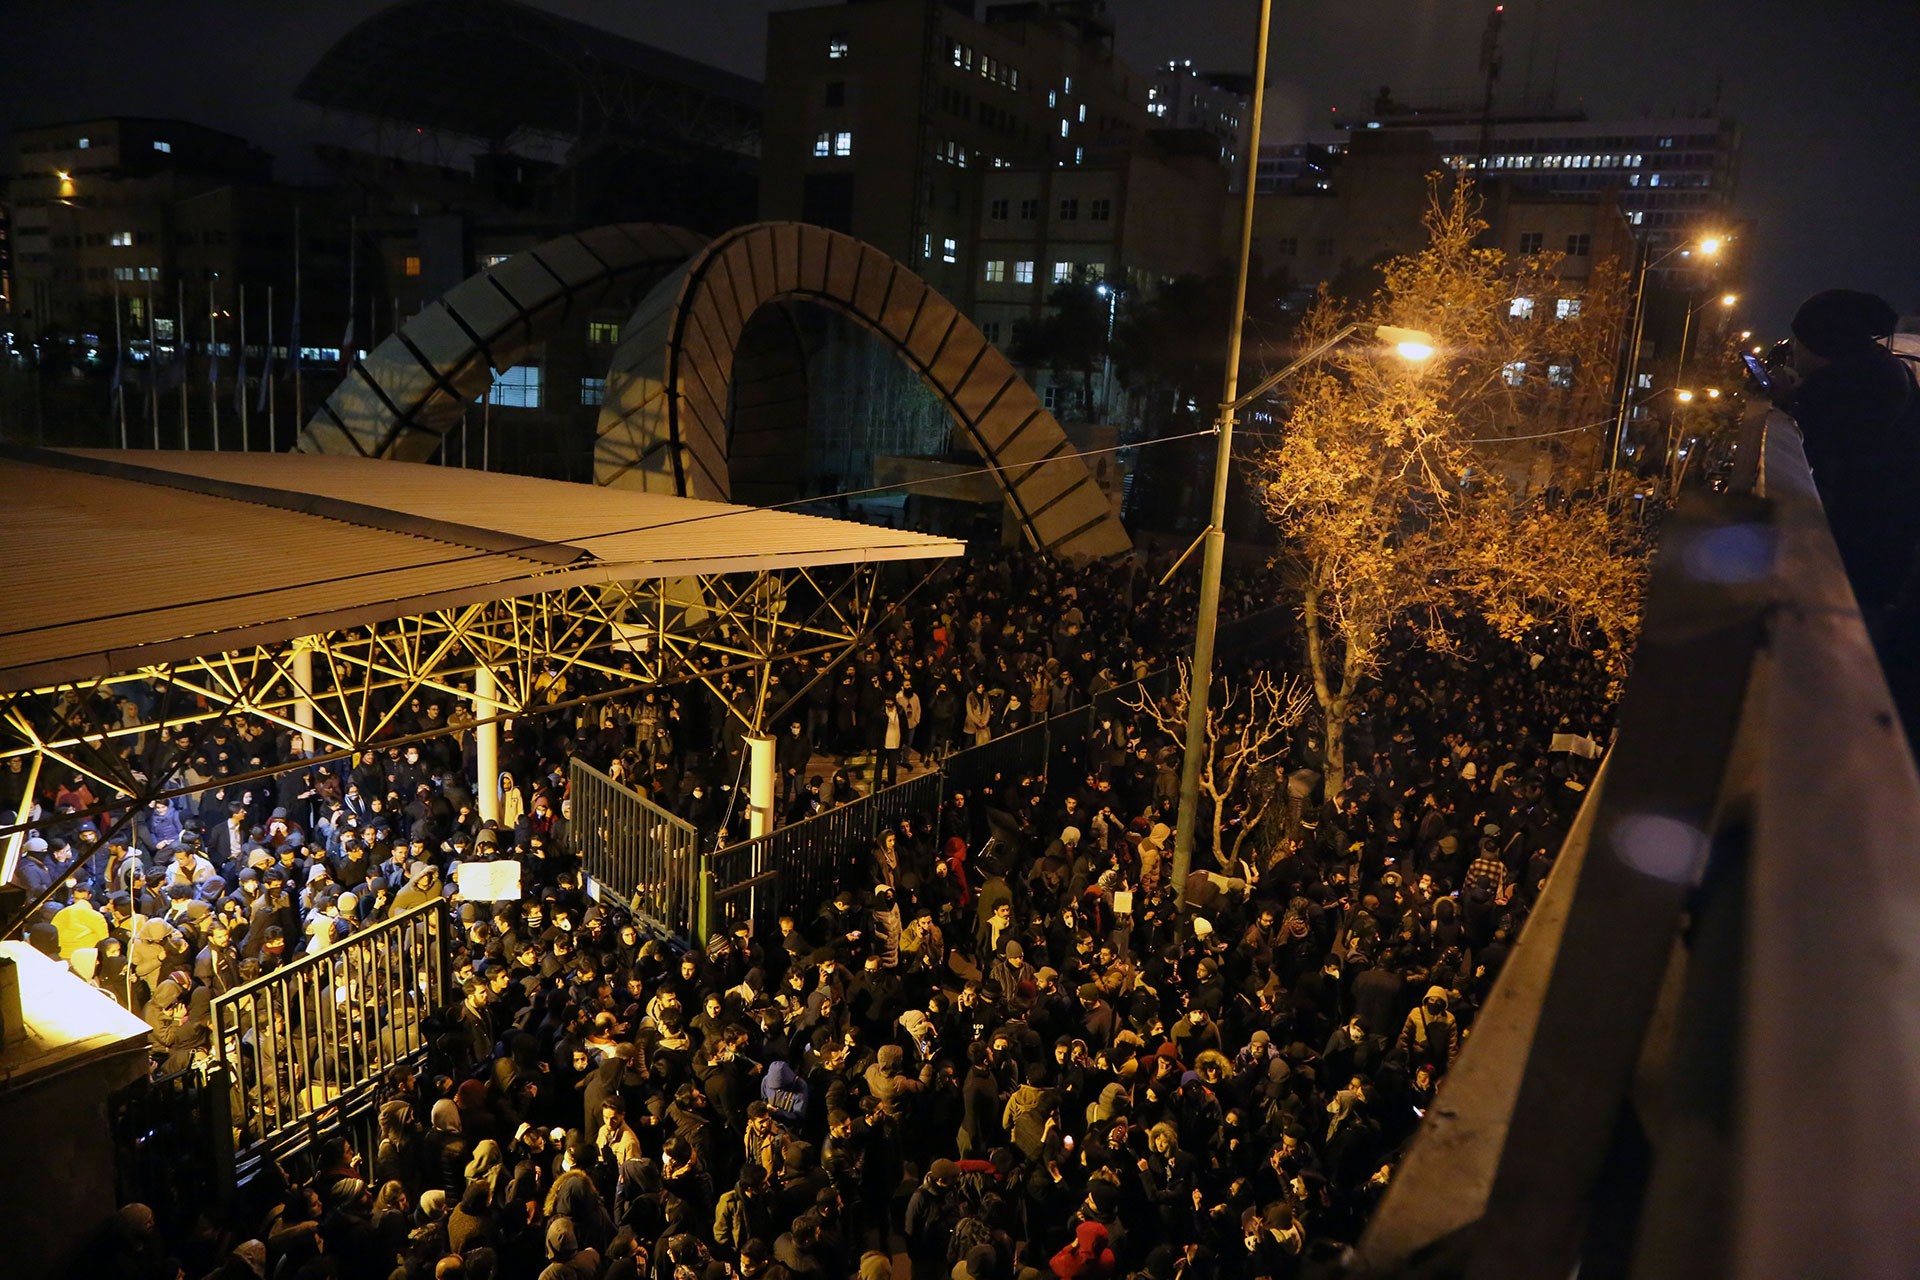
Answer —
488 881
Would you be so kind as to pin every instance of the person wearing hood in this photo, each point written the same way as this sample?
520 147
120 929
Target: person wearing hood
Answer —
1027 1112
157 949
447 1151
1087 1257
889 1084
1430 1034
471 1222
566 1258
786 1093
422 887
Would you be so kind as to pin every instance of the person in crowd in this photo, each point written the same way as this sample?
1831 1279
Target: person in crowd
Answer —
1004 1049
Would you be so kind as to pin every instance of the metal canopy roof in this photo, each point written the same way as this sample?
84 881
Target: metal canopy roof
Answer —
117 559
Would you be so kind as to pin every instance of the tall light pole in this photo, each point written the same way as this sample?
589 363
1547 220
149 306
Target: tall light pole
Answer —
1686 330
1200 678
1708 246
1410 344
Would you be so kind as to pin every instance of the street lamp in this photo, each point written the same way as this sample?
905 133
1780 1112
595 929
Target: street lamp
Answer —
1708 247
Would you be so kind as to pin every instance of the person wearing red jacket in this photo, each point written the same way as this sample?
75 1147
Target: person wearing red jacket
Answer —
1087 1257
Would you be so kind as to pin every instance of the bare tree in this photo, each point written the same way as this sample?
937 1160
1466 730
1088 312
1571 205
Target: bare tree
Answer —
1248 725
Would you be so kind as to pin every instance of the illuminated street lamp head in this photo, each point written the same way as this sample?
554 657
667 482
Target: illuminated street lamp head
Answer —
1686 397
1710 245
1713 393
1412 345
1728 299
1102 289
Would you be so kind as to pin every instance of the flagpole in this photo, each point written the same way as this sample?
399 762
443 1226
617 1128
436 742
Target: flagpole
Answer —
266 377
245 447
293 352
213 364
119 364
186 365
153 366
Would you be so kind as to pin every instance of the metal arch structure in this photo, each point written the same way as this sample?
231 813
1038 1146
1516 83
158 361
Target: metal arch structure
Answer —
675 420
405 395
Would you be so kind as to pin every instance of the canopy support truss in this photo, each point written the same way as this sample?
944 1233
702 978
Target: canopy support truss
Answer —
132 736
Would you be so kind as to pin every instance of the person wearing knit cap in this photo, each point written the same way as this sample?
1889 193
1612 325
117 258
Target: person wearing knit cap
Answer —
1858 407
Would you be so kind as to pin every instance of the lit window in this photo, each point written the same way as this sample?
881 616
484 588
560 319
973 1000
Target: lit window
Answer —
1560 375
823 144
1064 126
85 143
1063 273
837 45
162 146
1644 381
1053 100
1514 374
1521 309
1083 113
1023 273
494 259
1069 83
843 143
1654 180
949 250
412 267
1094 271
593 391
996 271
1566 309
926 245
603 332
516 388
123 238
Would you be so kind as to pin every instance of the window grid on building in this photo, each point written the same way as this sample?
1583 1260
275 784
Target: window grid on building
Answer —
516 388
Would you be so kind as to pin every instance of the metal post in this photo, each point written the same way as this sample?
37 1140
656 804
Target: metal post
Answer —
486 742
1633 367
303 678
241 369
762 779
1200 679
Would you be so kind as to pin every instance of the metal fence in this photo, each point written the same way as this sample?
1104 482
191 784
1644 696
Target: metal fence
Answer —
305 1045
801 865
636 849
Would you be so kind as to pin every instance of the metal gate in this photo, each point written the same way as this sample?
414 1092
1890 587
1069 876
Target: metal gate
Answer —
306 1045
173 1144
640 851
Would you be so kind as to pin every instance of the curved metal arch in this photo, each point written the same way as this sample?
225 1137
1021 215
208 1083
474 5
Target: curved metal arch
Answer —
664 424
412 389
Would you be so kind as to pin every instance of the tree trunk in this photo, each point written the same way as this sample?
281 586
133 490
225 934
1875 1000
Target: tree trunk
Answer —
1333 707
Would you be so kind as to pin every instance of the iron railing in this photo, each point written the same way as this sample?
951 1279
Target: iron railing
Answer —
801 865
305 1045
635 849
173 1144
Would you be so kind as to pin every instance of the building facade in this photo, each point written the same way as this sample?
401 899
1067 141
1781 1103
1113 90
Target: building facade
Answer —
1673 177
1217 103
884 117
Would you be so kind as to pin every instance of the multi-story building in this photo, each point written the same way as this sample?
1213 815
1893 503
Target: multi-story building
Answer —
1121 223
1218 103
1672 176
135 207
884 117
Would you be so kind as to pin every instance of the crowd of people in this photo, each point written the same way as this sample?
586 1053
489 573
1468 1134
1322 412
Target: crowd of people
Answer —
1009 1046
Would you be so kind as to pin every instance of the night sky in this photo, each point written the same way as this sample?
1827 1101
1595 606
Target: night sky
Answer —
1827 91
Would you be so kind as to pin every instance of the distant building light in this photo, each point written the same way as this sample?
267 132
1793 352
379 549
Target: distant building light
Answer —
162 146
